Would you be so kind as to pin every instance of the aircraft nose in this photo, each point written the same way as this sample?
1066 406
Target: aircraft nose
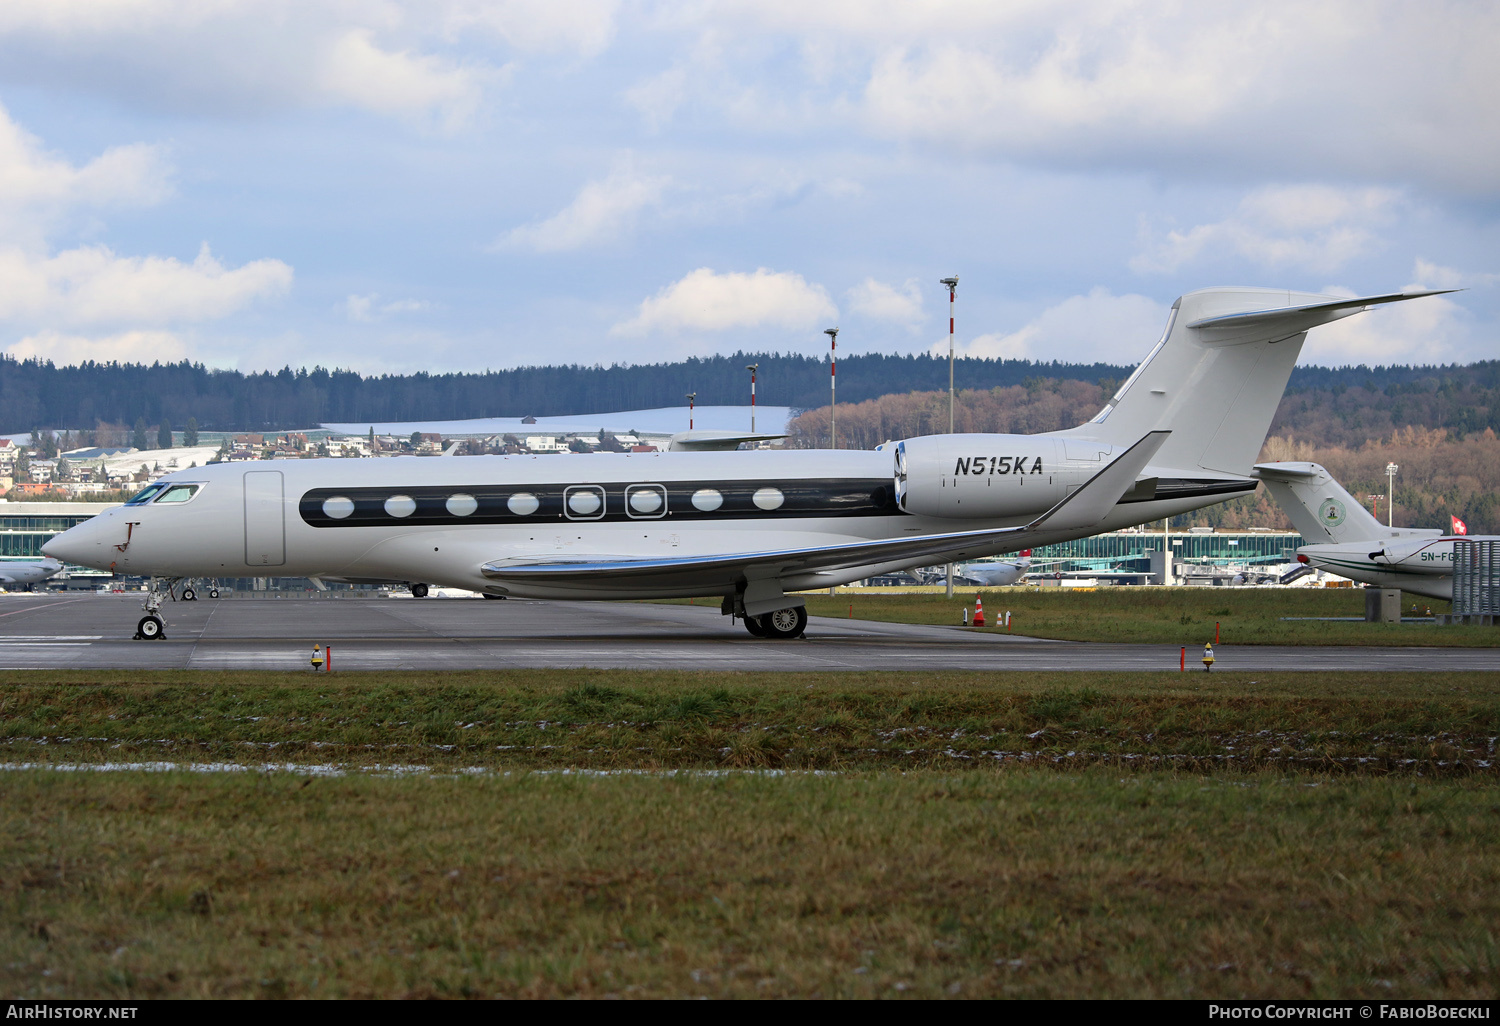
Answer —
68 547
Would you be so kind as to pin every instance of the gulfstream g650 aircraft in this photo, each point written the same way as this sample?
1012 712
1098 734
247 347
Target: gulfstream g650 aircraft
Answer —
754 526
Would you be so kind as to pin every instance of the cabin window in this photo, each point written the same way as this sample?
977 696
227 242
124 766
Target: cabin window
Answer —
523 504
646 501
178 493
707 499
768 498
584 502
146 494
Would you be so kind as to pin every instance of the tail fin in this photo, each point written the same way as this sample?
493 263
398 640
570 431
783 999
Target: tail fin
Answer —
1218 373
1319 507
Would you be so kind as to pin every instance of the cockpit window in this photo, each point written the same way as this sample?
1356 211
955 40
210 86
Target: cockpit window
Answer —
145 495
179 493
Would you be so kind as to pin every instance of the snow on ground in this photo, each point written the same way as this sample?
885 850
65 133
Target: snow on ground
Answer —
648 422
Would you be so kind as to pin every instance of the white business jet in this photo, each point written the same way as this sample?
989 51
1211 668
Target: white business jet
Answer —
1346 540
750 526
27 572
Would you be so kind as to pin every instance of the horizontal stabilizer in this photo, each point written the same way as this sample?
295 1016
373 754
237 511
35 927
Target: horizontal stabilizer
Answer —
1286 321
1081 510
1286 471
706 440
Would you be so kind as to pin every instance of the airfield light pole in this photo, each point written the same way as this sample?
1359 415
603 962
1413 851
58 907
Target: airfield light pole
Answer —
952 284
692 397
833 386
1390 494
752 368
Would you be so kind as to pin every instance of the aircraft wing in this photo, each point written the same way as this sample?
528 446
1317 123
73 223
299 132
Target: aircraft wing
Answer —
1084 508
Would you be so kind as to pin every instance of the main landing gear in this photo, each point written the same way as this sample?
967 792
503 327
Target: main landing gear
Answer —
151 626
780 625
418 591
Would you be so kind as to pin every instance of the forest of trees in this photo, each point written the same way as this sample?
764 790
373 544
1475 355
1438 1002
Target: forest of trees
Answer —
38 394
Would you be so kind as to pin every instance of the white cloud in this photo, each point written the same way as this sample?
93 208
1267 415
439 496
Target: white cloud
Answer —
602 212
367 309
581 26
37 187
1435 276
881 302
412 59
1434 329
1099 327
399 83
1371 89
707 301
90 285
126 347
1310 227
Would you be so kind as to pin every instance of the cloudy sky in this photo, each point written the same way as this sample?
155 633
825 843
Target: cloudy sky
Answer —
461 184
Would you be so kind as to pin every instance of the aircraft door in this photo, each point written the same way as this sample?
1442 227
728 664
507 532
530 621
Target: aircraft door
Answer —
265 528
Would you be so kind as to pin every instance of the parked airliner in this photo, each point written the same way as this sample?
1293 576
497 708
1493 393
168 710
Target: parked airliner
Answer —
752 527
1345 539
27 572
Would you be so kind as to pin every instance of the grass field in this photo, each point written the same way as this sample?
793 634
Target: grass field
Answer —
591 833
613 719
1172 616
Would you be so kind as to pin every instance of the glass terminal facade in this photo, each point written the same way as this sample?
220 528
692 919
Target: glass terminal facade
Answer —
1131 550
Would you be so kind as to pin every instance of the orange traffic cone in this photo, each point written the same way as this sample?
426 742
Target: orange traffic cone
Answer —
978 610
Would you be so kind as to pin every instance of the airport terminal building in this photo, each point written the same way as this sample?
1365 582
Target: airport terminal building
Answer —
1132 549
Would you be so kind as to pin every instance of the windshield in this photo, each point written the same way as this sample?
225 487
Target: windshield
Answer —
179 493
146 494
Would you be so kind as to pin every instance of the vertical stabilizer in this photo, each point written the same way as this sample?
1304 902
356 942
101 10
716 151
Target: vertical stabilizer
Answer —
1218 373
1319 507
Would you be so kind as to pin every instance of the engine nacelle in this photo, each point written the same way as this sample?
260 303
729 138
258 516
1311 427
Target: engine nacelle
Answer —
986 476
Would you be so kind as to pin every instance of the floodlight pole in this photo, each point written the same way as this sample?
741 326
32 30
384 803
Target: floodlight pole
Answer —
752 368
1390 494
952 284
833 386
692 397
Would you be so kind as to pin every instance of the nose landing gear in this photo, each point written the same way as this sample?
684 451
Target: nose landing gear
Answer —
151 626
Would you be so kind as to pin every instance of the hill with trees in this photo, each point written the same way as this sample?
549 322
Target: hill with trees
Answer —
37 393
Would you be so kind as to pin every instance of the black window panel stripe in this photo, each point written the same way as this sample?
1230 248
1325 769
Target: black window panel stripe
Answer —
831 497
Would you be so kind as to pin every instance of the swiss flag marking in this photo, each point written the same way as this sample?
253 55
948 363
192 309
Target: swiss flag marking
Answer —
1459 527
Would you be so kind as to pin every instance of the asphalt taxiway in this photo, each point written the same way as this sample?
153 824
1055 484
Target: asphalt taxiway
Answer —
93 631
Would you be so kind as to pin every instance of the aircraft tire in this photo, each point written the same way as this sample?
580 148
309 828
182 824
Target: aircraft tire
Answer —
419 591
489 596
189 595
784 624
150 628
214 593
753 625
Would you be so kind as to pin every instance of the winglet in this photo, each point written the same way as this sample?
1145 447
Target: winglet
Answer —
1090 503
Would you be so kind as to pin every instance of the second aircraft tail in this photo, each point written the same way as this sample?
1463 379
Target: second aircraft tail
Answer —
1319 507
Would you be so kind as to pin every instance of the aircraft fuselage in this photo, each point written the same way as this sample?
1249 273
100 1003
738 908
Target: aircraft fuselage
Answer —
439 520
